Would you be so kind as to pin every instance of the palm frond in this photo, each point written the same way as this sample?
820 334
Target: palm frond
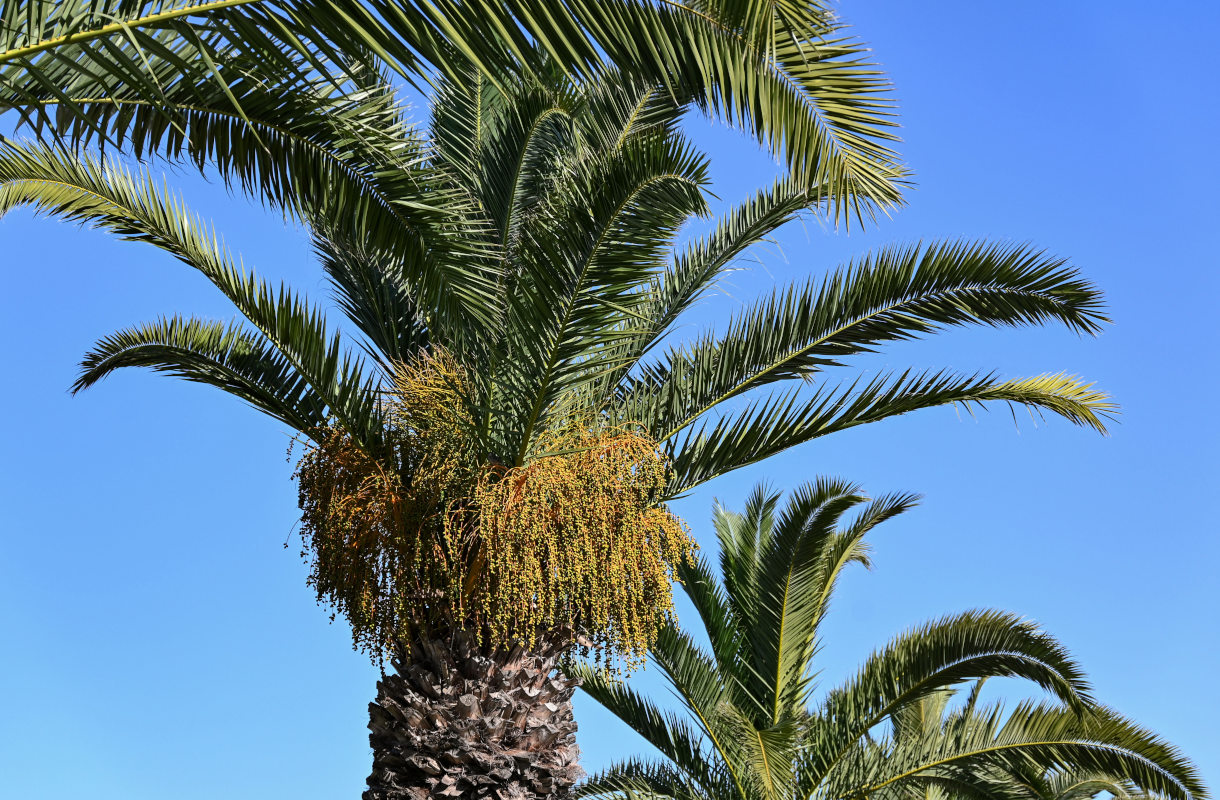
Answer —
722 626
801 84
87 191
742 538
773 425
696 270
1099 740
235 360
810 95
940 654
764 754
671 735
787 584
890 295
936 656
635 779
590 254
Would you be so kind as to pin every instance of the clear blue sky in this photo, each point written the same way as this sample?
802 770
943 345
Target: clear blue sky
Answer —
158 638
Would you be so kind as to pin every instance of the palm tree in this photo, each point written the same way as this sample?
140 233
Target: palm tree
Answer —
990 728
750 725
514 285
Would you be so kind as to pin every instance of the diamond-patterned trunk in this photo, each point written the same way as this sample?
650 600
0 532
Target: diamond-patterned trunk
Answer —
457 721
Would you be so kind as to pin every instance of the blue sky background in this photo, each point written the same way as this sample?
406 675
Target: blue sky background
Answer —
157 637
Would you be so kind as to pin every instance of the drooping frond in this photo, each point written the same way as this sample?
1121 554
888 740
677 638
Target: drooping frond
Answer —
770 426
87 191
933 657
808 92
847 546
229 357
799 82
984 732
1054 738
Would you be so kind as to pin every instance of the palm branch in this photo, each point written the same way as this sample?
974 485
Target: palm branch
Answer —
1038 752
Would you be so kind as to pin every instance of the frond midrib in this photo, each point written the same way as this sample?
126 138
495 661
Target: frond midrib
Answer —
119 27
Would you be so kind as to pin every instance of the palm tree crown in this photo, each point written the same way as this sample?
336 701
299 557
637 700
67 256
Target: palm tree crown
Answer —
529 235
751 723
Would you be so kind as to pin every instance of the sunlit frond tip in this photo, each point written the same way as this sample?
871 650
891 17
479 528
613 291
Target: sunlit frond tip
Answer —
1063 394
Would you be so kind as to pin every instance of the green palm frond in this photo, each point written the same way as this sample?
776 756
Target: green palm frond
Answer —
811 551
778 594
677 740
234 360
809 94
87 191
763 754
634 779
1077 785
374 294
1051 737
741 536
891 295
772 425
936 655
591 254
800 83
981 727
712 604
521 140
340 158
697 269
692 674
288 143
847 545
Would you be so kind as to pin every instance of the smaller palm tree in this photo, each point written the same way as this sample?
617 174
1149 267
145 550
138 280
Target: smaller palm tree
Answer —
751 729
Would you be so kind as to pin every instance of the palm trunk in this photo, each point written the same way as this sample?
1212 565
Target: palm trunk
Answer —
457 721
